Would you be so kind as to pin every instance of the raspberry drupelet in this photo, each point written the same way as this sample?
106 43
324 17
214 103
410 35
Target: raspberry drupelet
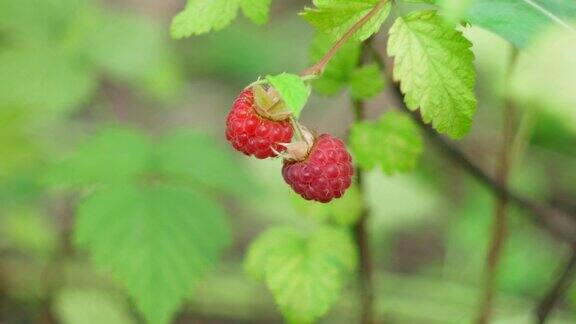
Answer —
324 174
251 132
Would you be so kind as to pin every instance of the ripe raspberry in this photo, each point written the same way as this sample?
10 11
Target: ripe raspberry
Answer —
324 174
253 134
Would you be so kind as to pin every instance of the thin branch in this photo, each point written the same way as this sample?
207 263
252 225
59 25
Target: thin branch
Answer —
318 68
500 220
560 223
361 229
558 290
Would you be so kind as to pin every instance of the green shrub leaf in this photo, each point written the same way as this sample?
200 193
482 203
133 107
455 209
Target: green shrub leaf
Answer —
393 143
433 63
198 158
203 16
366 82
256 10
304 274
343 70
338 71
336 17
44 78
146 219
111 156
293 91
158 240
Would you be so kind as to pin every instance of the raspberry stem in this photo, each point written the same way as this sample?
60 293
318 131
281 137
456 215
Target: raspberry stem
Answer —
299 131
319 67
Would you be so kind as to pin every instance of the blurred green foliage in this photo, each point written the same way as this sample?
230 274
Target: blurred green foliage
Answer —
99 129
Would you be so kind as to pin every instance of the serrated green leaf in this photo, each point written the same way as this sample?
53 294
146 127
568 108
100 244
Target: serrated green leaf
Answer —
433 63
338 72
343 71
90 306
304 274
336 17
159 241
202 16
345 211
44 78
256 10
366 81
394 143
454 10
521 21
197 157
292 89
111 156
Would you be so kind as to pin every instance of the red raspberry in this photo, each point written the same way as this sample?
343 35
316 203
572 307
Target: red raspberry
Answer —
253 134
324 174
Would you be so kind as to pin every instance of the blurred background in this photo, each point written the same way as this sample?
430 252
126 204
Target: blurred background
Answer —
71 69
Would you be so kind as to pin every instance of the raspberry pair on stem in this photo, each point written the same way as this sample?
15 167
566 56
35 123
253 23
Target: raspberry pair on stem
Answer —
316 167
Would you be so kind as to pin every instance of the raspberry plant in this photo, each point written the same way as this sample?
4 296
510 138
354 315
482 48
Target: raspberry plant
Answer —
154 222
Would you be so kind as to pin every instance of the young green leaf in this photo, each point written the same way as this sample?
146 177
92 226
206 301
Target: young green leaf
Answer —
113 155
158 240
198 158
345 211
47 79
256 10
394 143
177 232
336 17
338 71
293 91
433 63
366 82
202 16
343 70
304 274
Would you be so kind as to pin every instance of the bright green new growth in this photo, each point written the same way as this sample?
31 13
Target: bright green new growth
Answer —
335 17
304 274
434 66
292 89
343 71
202 16
147 220
158 240
366 82
394 143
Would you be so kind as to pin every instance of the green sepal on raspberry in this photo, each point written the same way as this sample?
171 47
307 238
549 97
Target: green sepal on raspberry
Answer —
258 123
